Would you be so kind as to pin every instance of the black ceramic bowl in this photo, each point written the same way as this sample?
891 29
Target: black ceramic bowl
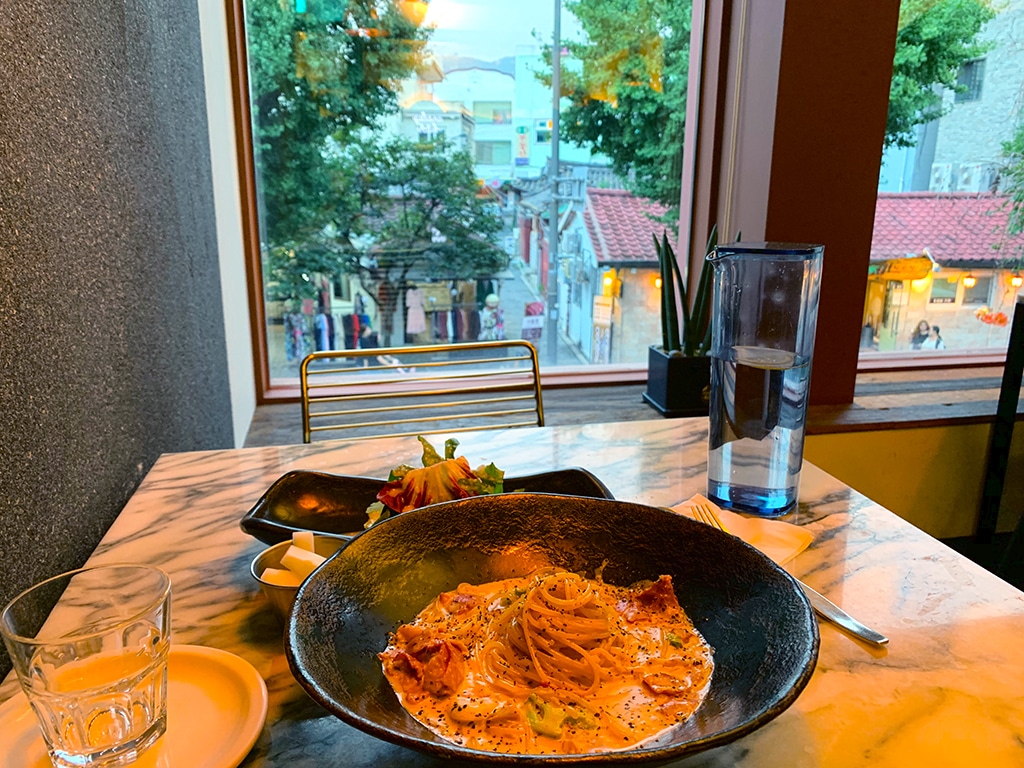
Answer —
751 611
336 504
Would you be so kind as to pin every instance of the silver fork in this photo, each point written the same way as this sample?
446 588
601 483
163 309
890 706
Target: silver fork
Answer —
822 605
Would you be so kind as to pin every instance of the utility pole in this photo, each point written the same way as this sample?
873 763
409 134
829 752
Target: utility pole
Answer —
553 266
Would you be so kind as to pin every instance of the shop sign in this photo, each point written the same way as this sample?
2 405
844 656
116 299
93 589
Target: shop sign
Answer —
911 268
522 145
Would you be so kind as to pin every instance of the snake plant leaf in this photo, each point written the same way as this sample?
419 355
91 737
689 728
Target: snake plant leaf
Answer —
698 332
669 309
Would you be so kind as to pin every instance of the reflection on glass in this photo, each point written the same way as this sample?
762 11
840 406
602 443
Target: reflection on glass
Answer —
402 158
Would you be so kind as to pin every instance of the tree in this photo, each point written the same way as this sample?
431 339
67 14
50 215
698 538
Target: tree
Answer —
934 40
406 210
331 71
626 86
626 80
1011 183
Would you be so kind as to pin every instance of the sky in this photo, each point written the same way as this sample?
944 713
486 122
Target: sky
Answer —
491 29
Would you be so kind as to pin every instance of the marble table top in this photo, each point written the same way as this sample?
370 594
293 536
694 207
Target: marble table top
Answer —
948 689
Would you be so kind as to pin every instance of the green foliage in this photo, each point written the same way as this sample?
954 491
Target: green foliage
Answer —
692 336
327 72
288 271
413 199
935 39
402 208
1011 183
626 80
395 207
626 86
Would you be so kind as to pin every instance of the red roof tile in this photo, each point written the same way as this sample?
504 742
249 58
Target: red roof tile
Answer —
955 227
619 226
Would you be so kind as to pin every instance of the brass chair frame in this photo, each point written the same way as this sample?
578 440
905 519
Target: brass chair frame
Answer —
421 390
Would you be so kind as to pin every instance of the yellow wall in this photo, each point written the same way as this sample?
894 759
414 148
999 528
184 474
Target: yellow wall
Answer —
931 477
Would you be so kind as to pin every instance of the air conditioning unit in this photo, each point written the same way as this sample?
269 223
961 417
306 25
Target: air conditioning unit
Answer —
975 177
942 177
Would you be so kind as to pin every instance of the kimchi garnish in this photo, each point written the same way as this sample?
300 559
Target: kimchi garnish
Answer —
439 479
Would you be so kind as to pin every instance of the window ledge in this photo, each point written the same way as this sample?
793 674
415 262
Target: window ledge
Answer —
905 399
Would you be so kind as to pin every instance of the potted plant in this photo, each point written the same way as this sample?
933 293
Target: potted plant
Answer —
679 371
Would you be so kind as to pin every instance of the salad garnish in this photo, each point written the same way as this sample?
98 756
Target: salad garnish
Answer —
439 479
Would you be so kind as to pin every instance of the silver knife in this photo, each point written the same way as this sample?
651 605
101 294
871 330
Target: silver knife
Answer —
829 610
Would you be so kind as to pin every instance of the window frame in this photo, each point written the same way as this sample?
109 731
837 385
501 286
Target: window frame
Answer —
802 178
752 95
971 297
505 111
972 77
492 144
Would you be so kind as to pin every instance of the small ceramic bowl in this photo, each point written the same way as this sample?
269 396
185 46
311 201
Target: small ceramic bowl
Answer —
281 598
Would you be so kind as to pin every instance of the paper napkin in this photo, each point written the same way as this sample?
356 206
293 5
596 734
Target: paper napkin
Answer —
779 540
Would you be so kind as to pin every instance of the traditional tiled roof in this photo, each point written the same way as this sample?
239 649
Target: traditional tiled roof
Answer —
620 225
957 228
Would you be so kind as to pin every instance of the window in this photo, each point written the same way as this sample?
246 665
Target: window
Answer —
942 199
971 76
543 132
367 173
499 112
776 174
943 291
978 290
494 152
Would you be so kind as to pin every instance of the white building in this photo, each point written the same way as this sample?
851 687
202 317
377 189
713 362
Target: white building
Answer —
499 110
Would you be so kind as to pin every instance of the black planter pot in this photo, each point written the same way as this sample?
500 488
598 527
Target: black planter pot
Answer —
677 385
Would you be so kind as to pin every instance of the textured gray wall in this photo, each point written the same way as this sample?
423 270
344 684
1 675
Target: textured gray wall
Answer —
112 346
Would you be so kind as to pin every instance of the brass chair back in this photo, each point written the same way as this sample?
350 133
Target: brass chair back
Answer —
421 390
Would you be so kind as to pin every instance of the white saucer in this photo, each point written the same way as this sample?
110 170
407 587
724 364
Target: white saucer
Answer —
216 707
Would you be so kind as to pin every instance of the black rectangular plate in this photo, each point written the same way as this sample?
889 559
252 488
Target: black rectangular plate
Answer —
304 500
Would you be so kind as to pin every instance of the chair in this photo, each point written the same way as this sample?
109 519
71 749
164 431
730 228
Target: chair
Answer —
422 390
999 447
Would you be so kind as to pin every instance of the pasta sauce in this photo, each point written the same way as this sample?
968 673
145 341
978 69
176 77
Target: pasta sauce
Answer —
552 663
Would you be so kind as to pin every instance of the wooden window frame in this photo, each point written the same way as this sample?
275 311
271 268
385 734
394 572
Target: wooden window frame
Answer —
791 98
238 62
792 101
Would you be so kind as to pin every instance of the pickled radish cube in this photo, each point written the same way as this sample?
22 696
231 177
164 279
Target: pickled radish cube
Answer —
303 540
282 577
300 562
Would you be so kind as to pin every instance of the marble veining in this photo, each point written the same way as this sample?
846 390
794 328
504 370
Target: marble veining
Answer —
948 690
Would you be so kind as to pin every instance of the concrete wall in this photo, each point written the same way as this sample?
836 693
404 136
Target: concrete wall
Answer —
930 477
973 131
112 342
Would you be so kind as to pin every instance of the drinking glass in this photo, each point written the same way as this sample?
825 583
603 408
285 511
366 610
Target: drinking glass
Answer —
764 316
94 667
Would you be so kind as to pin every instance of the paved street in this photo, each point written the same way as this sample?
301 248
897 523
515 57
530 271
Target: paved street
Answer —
516 293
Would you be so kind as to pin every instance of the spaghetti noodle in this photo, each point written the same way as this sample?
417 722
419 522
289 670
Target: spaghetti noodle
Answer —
552 663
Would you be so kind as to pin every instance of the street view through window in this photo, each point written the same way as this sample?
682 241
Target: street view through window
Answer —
406 196
403 154
947 254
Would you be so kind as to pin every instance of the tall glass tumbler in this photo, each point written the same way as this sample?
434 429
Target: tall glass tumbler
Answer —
764 314
90 651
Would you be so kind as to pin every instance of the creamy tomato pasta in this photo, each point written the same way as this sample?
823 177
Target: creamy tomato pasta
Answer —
552 663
